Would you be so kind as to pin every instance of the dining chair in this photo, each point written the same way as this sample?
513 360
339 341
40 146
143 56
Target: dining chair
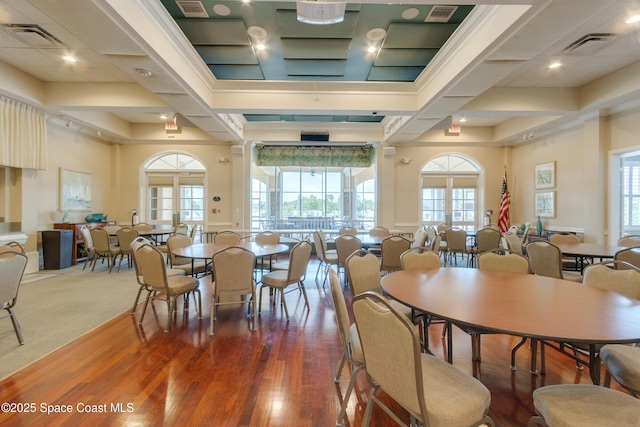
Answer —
12 246
380 233
125 237
351 349
181 228
227 238
545 259
514 243
103 248
154 274
419 238
195 233
498 260
347 230
279 280
390 249
456 245
568 263
346 244
12 266
190 267
431 233
486 239
580 405
631 255
267 238
137 242
143 227
89 249
419 257
421 383
232 279
622 362
629 241
324 260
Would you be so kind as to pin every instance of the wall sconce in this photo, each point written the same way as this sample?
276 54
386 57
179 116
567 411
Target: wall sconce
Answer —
223 160
406 160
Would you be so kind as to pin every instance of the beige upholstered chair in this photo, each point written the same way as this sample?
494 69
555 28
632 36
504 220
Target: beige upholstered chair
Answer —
568 263
347 230
580 405
279 280
143 227
154 273
545 259
13 246
88 245
631 256
351 349
190 267
456 244
419 238
629 241
346 244
267 238
436 244
380 233
419 258
495 261
431 233
623 364
181 228
12 265
196 233
514 244
103 248
434 392
137 242
487 239
125 236
227 238
391 248
232 278
324 260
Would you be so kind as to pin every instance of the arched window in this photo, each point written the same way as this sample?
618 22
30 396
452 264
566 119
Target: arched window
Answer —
175 186
450 192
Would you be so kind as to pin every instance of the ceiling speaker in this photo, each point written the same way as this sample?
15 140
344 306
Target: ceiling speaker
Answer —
320 12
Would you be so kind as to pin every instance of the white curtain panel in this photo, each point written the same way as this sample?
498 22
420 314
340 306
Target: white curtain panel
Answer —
23 135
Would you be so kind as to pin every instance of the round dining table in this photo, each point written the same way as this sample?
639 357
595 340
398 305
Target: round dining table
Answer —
585 251
525 305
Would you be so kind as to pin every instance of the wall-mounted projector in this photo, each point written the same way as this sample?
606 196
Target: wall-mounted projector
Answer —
320 12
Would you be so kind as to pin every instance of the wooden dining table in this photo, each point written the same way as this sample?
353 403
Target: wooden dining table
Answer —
525 305
584 251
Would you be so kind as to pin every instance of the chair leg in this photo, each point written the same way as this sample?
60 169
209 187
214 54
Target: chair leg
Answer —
304 293
340 368
367 412
347 395
16 326
284 304
135 303
213 315
197 291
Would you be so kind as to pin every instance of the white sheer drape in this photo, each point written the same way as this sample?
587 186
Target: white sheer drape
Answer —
23 135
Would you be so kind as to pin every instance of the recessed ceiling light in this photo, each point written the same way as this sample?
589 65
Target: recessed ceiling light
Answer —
410 13
555 65
221 10
376 34
163 117
260 46
144 73
633 19
462 120
372 49
69 58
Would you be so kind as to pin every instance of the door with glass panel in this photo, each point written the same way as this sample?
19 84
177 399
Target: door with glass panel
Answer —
173 198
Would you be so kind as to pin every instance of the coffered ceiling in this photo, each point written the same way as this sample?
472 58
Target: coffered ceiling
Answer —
487 64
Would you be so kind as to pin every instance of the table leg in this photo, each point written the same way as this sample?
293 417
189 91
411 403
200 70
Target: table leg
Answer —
449 341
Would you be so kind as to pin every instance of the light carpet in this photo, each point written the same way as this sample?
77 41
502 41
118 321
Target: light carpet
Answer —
55 308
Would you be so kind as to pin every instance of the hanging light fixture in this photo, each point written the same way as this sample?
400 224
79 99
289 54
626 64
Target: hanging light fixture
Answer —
321 12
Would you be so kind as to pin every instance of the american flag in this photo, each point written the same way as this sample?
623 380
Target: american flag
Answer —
503 217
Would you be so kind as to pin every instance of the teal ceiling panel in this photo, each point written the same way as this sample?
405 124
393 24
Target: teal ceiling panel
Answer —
394 74
418 36
315 48
404 57
237 72
307 67
218 32
236 55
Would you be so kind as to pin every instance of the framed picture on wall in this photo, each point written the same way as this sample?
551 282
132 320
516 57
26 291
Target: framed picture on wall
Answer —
75 190
545 175
545 204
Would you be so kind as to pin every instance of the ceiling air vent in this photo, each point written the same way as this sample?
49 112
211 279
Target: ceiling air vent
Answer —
192 9
440 13
590 43
33 35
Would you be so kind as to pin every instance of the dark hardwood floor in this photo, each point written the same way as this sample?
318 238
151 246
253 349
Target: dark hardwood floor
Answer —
281 375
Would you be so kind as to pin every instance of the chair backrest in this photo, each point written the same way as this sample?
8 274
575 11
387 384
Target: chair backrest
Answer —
86 237
487 239
513 229
111 229
391 249
363 271
298 261
137 243
514 244
319 244
152 267
233 271
12 246
267 238
227 238
347 231
431 233
340 308
441 228
391 351
434 245
545 259
564 238
456 239
195 232
181 229
631 255
379 232
143 227
420 257
100 239
495 261
178 241
345 246
623 281
12 265
126 236
419 238
629 241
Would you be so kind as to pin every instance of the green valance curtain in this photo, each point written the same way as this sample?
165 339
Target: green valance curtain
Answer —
287 155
